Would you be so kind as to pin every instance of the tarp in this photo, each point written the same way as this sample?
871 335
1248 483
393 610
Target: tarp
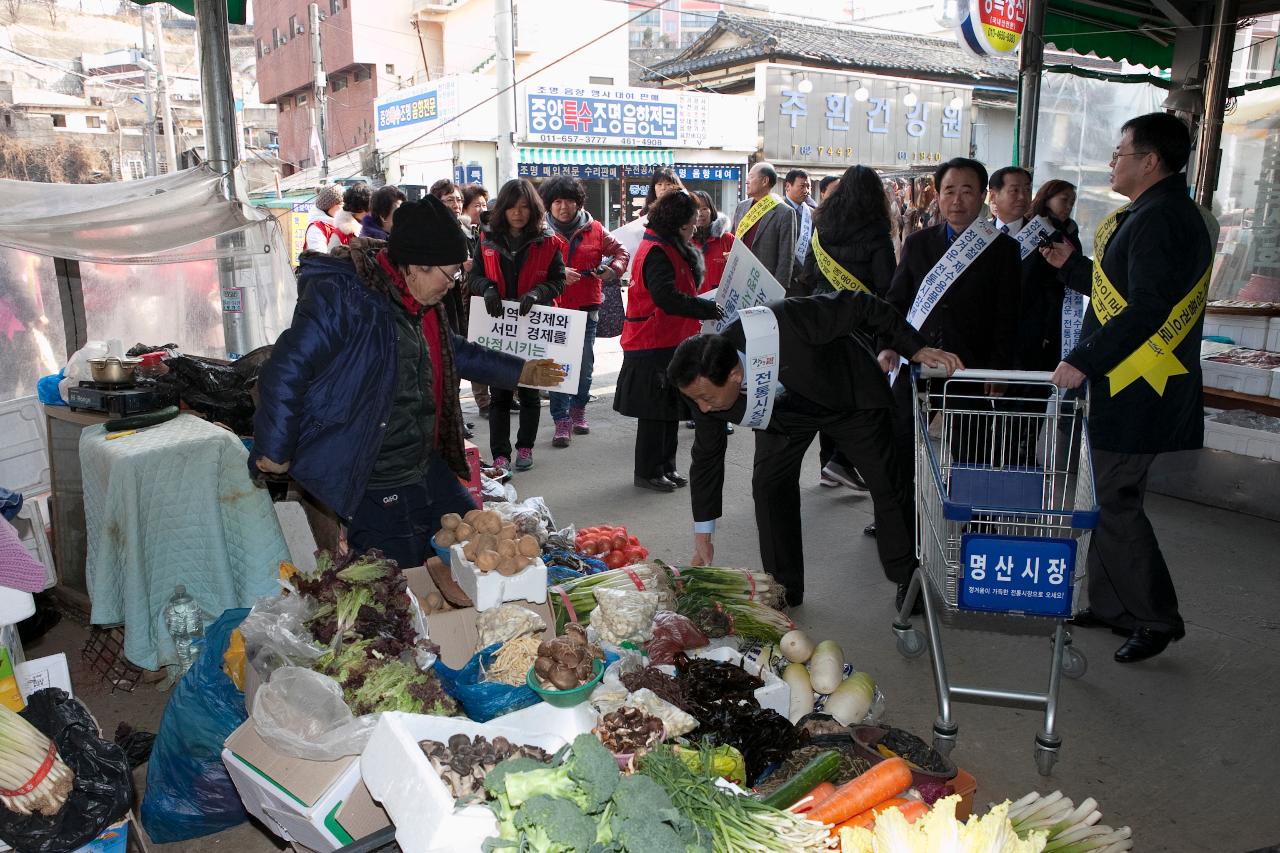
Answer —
165 219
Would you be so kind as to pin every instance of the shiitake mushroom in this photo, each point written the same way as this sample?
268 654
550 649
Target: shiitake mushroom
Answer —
542 667
562 677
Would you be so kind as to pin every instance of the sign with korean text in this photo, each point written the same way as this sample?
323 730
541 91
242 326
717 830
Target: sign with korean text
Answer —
875 121
299 217
471 174
991 27
614 115
405 114
761 367
1016 573
746 283
544 332
693 172
583 171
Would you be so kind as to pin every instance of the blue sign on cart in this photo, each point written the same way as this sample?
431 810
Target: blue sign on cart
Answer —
1025 574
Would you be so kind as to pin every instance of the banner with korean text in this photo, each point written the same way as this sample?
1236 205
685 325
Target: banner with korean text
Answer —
745 283
544 332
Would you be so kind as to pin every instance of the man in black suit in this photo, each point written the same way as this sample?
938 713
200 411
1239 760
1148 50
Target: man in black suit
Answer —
830 382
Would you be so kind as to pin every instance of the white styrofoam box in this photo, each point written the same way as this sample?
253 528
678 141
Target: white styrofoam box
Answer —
1236 377
564 723
1257 443
775 695
399 775
489 589
284 813
1245 330
1273 335
15 605
24 462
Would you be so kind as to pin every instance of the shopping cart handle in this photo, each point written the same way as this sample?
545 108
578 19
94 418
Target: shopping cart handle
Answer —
975 375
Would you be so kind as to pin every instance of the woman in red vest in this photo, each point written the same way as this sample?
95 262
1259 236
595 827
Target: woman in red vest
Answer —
663 308
518 259
714 239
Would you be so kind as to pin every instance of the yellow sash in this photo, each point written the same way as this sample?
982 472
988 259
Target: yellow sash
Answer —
1154 361
755 214
840 278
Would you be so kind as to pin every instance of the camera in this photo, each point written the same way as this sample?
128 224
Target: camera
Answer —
1047 240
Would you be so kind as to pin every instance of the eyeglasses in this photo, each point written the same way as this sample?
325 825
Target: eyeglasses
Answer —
1116 155
455 276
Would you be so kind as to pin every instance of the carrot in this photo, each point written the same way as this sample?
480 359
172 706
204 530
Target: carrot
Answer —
911 810
819 793
884 780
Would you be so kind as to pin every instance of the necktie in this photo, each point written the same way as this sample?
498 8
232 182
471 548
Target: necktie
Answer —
1004 229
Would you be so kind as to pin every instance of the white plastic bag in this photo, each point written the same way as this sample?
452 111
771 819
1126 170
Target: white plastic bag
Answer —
624 615
275 634
77 369
301 713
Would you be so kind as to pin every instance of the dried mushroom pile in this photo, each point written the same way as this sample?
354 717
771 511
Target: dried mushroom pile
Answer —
628 730
463 763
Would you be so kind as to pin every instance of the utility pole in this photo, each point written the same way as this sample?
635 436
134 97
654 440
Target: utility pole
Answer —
148 138
317 65
166 112
503 33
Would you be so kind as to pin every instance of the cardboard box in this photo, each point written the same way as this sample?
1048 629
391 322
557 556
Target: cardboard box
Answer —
489 589
473 465
400 776
454 631
322 805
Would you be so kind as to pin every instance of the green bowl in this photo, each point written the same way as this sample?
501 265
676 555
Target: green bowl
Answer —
566 698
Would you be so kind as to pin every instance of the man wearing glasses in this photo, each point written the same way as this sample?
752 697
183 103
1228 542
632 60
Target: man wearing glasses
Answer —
1140 351
359 402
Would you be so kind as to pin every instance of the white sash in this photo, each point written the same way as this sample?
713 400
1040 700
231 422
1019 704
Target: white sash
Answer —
963 252
1029 237
760 372
1072 319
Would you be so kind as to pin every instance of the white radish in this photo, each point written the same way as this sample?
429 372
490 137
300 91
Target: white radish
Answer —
797 678
796 646
826 667
851 700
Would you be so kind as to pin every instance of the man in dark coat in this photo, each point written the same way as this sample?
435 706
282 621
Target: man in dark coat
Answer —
1140 350
770 232
830 382
359 405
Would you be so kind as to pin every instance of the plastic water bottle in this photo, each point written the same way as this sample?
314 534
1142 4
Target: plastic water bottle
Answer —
185 625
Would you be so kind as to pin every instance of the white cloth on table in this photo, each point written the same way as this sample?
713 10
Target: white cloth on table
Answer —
173 504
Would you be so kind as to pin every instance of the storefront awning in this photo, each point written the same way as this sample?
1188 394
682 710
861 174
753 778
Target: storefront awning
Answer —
599 156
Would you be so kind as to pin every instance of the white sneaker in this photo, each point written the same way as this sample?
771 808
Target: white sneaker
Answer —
844 476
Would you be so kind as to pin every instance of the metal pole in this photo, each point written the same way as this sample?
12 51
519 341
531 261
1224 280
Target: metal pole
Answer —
1209 155
166 111
1030 69
503 33
318 111
149 138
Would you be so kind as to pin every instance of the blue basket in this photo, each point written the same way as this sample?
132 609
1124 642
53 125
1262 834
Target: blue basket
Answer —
442 553
1013 488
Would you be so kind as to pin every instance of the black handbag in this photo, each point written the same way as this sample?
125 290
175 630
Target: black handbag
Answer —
612 311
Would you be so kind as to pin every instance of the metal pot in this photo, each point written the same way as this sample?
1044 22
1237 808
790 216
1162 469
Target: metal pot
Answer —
113 370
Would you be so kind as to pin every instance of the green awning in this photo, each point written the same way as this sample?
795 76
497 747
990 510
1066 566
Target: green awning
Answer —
235 8
599 156
1119 30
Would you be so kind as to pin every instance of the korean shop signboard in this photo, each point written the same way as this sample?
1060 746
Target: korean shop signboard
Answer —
615 116
846 119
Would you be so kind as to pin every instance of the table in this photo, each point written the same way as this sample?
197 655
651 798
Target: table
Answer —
1220 398
173 504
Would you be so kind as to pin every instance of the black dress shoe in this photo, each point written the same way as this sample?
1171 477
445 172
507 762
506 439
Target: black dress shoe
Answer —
1143 643
655 484
869 530
917 608
678 480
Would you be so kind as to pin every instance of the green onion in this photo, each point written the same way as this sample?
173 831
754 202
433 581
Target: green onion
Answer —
574 600
725 584
23 753
750 620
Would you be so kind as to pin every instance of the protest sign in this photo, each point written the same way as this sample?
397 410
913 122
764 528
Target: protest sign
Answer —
544 332
745 284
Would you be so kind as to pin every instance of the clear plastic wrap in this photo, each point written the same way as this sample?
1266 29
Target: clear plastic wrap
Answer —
302 713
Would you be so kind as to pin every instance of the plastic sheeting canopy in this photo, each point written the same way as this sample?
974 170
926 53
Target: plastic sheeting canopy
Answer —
160 220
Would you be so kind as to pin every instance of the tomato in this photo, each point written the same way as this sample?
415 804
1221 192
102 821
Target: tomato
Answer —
643 552
633 540
619 541
590 546
615 559
633 556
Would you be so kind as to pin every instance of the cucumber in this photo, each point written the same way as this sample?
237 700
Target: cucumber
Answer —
142 419
822 768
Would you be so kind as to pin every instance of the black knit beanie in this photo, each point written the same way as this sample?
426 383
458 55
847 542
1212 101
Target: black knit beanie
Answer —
426 233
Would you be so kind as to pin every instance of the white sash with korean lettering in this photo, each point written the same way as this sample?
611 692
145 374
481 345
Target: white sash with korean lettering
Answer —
1072 303
760 370
963 252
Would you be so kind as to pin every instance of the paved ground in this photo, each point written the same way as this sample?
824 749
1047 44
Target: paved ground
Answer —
1182 748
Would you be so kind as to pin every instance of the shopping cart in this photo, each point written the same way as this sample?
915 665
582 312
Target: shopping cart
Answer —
1005 505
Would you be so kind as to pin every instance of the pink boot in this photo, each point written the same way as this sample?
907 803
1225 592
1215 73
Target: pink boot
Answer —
579 418
564 433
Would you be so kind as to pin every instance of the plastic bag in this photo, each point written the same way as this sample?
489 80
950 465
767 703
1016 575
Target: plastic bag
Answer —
189 793
219 391
483 700
302 713
673 633
530 516
506 622
102 790
47 389
77 369
136 744
624 615
275 634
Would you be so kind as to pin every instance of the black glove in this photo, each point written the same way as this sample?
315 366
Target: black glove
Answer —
493 301
532 298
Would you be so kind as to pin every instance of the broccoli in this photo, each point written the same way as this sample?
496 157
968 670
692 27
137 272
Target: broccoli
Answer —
555 825
645 821
549 781
594 769
495 779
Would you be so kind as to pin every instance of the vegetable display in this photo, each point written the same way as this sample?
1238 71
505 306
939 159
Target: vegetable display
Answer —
566 662
725 584
463 762
512 661
575 600
1067 828
821 768
884 780
628 731
614 546
733 823
851 765
940 830
32 775
489 542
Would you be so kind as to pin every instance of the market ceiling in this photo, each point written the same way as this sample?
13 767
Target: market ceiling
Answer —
1139 31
